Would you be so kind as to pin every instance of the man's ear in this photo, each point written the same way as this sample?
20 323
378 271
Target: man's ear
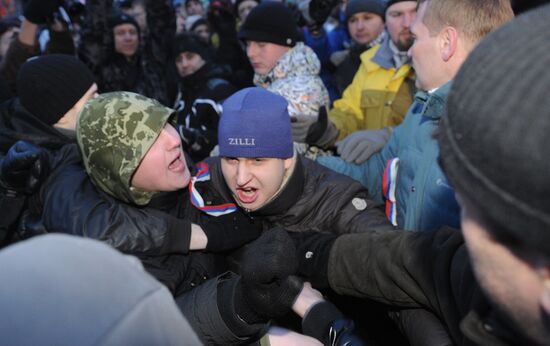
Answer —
545 298
288 163
448 42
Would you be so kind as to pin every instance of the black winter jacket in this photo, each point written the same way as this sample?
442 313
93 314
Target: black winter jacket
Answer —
158 234
429 270
16 123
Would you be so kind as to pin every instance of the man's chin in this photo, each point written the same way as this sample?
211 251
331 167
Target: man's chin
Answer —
185 179
404 44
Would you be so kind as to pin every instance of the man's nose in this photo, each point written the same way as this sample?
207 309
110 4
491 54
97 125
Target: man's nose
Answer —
243 174
173 136
407 20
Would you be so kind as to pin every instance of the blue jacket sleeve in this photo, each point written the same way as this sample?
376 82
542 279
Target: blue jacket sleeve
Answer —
369 173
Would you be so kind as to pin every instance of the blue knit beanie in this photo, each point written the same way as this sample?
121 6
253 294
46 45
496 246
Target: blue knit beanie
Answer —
255 123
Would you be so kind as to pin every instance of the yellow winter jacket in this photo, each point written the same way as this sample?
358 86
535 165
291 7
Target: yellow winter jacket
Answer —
377 97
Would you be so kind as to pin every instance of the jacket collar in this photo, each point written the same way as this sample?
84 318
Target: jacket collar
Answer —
432 105
381 57
384 55
287 196
300 60
196 79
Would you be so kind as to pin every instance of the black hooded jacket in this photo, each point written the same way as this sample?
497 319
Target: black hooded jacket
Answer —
198 106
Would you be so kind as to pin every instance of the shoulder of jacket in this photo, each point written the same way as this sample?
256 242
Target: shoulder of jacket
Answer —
216 82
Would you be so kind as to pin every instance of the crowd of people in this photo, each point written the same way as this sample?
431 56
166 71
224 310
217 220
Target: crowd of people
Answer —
237 172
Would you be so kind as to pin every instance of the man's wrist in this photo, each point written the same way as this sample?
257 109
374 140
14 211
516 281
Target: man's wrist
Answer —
307 298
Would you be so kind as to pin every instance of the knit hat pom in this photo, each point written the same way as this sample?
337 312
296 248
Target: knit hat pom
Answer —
255 123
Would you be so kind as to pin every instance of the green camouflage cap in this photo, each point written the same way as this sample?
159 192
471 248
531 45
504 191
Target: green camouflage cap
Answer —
114 132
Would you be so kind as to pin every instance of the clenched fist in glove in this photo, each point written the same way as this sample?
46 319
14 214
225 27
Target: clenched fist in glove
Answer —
230 231
23 168
360 145
268 285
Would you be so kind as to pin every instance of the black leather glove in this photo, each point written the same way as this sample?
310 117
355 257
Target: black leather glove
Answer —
269 288
24 167
317 129
39 11
230 231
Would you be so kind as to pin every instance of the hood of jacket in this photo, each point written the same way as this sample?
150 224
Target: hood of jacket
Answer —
114 132
300 60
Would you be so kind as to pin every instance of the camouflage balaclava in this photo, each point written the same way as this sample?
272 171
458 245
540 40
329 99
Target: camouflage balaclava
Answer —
114 132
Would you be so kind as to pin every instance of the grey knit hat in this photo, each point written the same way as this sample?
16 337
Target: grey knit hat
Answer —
372 6
495 135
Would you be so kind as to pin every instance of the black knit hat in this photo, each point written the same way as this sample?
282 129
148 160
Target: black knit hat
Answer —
391 2
496 133
189 42
373 6
122 18
200 21
49 85
270 21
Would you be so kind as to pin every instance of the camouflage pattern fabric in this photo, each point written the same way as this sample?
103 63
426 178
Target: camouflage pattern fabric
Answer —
114 132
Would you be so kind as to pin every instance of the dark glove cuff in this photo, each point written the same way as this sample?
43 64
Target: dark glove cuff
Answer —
317 320
215 237
313 249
